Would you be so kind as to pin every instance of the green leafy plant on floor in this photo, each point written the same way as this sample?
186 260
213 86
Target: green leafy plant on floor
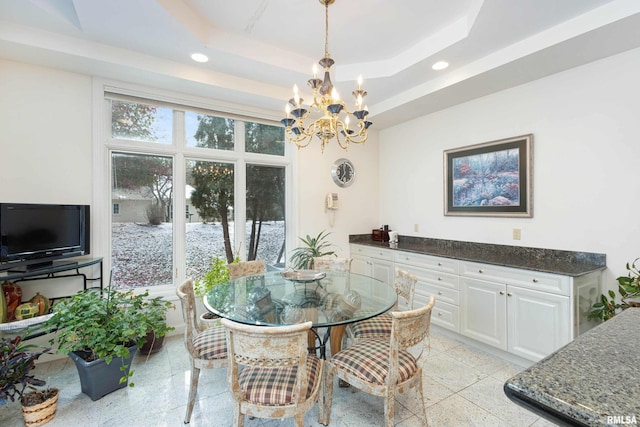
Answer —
302 257
105 325
628 288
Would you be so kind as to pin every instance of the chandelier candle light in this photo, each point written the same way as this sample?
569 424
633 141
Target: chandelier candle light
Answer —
323 118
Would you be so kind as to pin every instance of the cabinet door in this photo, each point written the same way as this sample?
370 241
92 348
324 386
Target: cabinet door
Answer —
538 322
383 270
361 265
483 308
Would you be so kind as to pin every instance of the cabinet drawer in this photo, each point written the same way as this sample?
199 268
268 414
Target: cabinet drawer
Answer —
372 252
432 277
446 316
534 280
451 296
446 265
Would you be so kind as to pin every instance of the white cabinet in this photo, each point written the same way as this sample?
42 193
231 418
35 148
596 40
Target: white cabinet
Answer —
527 313
373 262
437 277
523 312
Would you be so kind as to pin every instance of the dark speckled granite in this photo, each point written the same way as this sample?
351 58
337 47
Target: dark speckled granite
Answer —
590 379
566 263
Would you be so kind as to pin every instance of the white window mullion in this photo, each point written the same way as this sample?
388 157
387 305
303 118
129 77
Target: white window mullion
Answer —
240 191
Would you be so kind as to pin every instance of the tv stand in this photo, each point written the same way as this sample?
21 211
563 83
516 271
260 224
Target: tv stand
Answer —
56 270
42 267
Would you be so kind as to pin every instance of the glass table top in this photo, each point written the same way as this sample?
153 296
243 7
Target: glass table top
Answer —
326 298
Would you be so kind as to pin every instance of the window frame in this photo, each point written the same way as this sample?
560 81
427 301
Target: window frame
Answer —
104 146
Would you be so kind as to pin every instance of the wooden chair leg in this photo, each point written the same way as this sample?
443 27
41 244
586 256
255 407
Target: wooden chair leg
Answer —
193 389
389 408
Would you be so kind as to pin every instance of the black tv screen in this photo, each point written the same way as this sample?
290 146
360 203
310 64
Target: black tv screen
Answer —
40 233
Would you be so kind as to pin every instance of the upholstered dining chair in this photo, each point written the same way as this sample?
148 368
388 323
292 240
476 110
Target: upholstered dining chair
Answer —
384 367
270 373
207 348
332 263
380 326
245 268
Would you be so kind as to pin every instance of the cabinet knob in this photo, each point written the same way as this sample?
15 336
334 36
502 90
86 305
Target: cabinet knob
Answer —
439 292
439 278
481 271
535 280
501 292
509 294
439 314
439 264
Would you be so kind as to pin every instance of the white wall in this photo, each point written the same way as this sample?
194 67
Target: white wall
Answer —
358 203
45 135
585 123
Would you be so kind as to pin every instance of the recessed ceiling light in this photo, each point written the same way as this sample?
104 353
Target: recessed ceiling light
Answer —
199 57
440 65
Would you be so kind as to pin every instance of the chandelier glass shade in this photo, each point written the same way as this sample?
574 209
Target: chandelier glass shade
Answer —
326 117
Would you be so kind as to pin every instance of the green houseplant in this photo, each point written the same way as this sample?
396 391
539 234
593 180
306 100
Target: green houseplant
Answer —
218 273
302 257
93 328
154 313
17 360
629 289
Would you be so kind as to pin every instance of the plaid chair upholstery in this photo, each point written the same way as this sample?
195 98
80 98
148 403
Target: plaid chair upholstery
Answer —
370 361
207 348
376 327
274 386
211 344
271 374
380 326
385 367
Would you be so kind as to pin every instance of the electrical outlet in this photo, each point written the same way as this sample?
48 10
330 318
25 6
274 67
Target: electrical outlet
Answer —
516 234
416 227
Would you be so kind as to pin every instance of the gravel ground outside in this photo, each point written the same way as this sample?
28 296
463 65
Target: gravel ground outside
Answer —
142 253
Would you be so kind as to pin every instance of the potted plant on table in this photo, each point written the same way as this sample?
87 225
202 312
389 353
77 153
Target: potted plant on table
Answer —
101 332
317 246
218 273
629 290
16 363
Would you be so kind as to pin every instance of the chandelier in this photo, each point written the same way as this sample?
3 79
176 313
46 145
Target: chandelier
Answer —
326 117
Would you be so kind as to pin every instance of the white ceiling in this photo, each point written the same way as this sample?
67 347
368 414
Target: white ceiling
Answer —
259 48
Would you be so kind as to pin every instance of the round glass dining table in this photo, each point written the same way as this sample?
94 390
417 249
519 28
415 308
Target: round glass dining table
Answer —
329 299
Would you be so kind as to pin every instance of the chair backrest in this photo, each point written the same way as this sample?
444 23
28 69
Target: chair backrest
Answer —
332 263
246 268
188 302
405 285
267 346
410 328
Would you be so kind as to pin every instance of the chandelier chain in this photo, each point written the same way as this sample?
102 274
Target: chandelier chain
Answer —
326 29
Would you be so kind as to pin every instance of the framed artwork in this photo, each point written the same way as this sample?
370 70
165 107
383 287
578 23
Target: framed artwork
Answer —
490 179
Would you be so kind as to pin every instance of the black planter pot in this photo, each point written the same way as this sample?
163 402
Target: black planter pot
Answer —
98 379
152 343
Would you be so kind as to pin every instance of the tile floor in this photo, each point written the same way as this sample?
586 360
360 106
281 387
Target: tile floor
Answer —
463 387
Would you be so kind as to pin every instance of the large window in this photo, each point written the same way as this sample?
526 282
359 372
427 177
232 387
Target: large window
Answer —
190 185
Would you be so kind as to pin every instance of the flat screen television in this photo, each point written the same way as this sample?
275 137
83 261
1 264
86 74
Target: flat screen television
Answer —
33 236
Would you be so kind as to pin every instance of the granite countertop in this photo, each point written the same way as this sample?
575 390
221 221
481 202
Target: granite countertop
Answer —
592 381
566 263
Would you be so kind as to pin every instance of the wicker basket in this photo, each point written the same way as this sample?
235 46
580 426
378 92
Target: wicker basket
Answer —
41 413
